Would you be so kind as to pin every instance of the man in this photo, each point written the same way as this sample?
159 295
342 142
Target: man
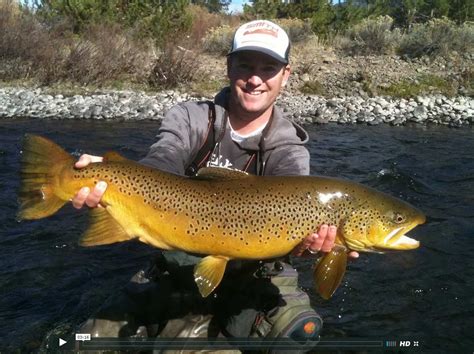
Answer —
242 129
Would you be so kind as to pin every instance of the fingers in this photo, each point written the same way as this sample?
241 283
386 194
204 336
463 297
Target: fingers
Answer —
80 198
94 197
85 160
329 238
85 195
353 254
323 240
90 198
304 245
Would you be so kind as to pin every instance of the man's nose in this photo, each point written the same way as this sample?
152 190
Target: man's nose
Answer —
255 79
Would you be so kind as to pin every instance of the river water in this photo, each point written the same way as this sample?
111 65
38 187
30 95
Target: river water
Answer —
49 284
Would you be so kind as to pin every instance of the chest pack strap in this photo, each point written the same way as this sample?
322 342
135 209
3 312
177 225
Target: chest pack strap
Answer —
209 141
253 164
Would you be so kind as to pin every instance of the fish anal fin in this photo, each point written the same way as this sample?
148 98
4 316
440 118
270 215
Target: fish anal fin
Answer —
329 272
220 173
112 156
103 230
208 273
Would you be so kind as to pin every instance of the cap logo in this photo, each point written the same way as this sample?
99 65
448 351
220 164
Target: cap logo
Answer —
271 32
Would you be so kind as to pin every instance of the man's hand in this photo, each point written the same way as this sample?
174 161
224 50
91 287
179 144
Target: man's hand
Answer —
85 195
320 241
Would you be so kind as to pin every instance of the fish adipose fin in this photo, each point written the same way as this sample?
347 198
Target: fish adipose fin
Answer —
103 229
220 173
208 273
329 272
40 159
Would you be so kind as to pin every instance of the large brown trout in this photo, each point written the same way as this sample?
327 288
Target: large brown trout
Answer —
221 213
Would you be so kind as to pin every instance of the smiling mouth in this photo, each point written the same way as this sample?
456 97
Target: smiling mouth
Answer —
253 93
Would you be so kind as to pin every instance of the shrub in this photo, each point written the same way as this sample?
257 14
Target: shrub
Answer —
467 80
24 42
371 36
16 31
103 53
464 42
298 30
175 66
202 22
218 40
437 37
159 20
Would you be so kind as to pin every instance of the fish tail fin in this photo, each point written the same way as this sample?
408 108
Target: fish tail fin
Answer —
208 273
40 157
329 272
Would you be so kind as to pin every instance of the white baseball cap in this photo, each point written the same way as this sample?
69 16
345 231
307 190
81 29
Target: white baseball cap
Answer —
262 36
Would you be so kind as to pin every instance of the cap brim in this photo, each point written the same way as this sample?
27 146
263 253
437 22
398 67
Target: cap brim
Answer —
261 50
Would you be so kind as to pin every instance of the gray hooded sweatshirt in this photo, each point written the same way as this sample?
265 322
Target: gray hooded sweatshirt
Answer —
184 130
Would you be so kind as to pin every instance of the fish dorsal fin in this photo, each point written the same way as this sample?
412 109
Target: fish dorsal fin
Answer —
329 272
220 173
208 273
112 156
103 230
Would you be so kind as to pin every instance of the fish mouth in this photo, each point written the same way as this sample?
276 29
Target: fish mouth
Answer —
397 239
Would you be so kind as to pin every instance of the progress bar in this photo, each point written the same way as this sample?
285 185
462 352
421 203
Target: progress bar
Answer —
221 344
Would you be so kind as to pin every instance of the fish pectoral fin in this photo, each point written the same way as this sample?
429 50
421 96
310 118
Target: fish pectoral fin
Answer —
208 273
103 230
329 272
220 173
111 156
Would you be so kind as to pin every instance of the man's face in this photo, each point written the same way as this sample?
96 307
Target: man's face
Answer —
255 80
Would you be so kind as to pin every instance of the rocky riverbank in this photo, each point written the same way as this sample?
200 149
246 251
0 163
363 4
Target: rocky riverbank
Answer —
133 105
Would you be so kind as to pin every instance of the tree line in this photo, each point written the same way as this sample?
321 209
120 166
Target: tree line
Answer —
326 15
157 19
162 19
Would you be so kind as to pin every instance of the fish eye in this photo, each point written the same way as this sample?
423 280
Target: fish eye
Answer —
398 218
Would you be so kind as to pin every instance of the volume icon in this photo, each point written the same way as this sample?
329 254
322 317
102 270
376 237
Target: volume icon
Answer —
390 343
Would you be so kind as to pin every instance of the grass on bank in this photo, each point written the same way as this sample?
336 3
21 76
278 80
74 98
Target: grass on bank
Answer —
423 84
313 87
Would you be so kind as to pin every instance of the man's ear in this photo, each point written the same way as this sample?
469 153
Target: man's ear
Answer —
286 75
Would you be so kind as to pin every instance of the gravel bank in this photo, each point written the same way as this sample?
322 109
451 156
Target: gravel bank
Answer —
131 105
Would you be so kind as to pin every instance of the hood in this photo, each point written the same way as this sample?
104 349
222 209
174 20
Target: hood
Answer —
280 131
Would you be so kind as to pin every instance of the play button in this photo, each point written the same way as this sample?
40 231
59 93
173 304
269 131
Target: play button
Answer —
61 342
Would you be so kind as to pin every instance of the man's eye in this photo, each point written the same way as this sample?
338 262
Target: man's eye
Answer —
244 66
270 68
